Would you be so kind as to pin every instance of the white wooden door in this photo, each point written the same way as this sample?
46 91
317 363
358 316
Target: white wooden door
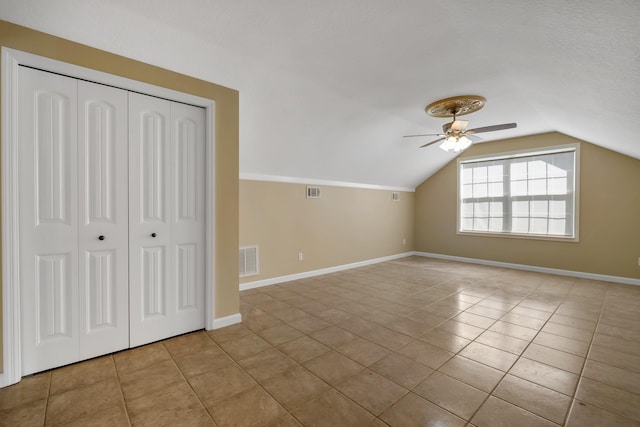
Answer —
47 160
74 219
103 219
188 226
166 218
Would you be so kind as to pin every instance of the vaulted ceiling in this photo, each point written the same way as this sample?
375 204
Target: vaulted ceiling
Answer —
328 88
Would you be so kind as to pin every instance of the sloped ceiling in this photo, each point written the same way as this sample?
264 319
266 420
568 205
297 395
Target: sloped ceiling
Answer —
328 88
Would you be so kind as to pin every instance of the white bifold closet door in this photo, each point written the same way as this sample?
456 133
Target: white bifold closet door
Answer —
112 227
166 218
74 224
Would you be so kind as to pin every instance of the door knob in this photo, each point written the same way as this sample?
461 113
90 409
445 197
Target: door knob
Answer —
153 234
100 237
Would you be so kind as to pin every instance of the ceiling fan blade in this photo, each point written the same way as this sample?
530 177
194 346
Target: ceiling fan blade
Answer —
493 128
459 125
432 142
426 134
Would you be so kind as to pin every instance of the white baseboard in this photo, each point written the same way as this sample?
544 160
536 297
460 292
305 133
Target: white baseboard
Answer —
232 319
571 273
304 275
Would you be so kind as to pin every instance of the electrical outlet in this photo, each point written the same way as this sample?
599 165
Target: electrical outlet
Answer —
404 241
639 261
300 256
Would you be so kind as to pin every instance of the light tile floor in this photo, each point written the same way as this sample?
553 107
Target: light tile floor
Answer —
409 342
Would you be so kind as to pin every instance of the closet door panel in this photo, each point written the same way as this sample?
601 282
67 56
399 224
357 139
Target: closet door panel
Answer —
149 218
48 220
103 217
166 218
188 137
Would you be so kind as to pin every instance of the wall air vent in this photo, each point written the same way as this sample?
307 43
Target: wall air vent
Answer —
248 261
313 192
395 196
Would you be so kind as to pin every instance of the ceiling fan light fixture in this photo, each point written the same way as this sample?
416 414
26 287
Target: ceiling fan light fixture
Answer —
456 144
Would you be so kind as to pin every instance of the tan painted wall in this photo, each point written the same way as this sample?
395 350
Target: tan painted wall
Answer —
226 154
345 225
609 215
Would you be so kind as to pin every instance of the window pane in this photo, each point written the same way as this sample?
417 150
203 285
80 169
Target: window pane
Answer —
467 191
561 164
557 226
467 223
558 186
495 173
481 209
537 187
495 209
481 224
480 190
480 174
520 208
537 169
538 225
467 175
539 208
557 208
496 189
554 171
495 224
467 209
518 170
520 225
518 188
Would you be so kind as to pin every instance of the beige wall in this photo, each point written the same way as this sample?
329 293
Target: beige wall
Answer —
609 215
226 154
345 225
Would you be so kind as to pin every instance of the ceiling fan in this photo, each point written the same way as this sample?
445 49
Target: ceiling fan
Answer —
455 134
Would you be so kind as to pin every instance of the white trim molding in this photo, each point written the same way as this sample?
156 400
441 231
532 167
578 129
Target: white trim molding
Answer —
288 278
11 369
310 181
11 61
222 322
559 272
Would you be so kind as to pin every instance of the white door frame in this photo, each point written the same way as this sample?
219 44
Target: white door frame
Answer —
11 60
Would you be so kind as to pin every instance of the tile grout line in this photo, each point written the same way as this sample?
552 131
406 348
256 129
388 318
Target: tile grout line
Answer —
187 381
46 406
124 403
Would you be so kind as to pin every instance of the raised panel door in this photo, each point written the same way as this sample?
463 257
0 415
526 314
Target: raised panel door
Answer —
188 229
149 218
103 219
47 160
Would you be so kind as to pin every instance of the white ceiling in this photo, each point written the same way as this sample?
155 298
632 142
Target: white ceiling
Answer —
328 88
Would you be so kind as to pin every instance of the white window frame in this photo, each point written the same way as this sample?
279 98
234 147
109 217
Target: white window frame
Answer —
517 154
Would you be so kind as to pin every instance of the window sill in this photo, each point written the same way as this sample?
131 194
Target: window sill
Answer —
567 239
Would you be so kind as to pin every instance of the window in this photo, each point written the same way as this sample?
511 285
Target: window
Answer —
530 194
